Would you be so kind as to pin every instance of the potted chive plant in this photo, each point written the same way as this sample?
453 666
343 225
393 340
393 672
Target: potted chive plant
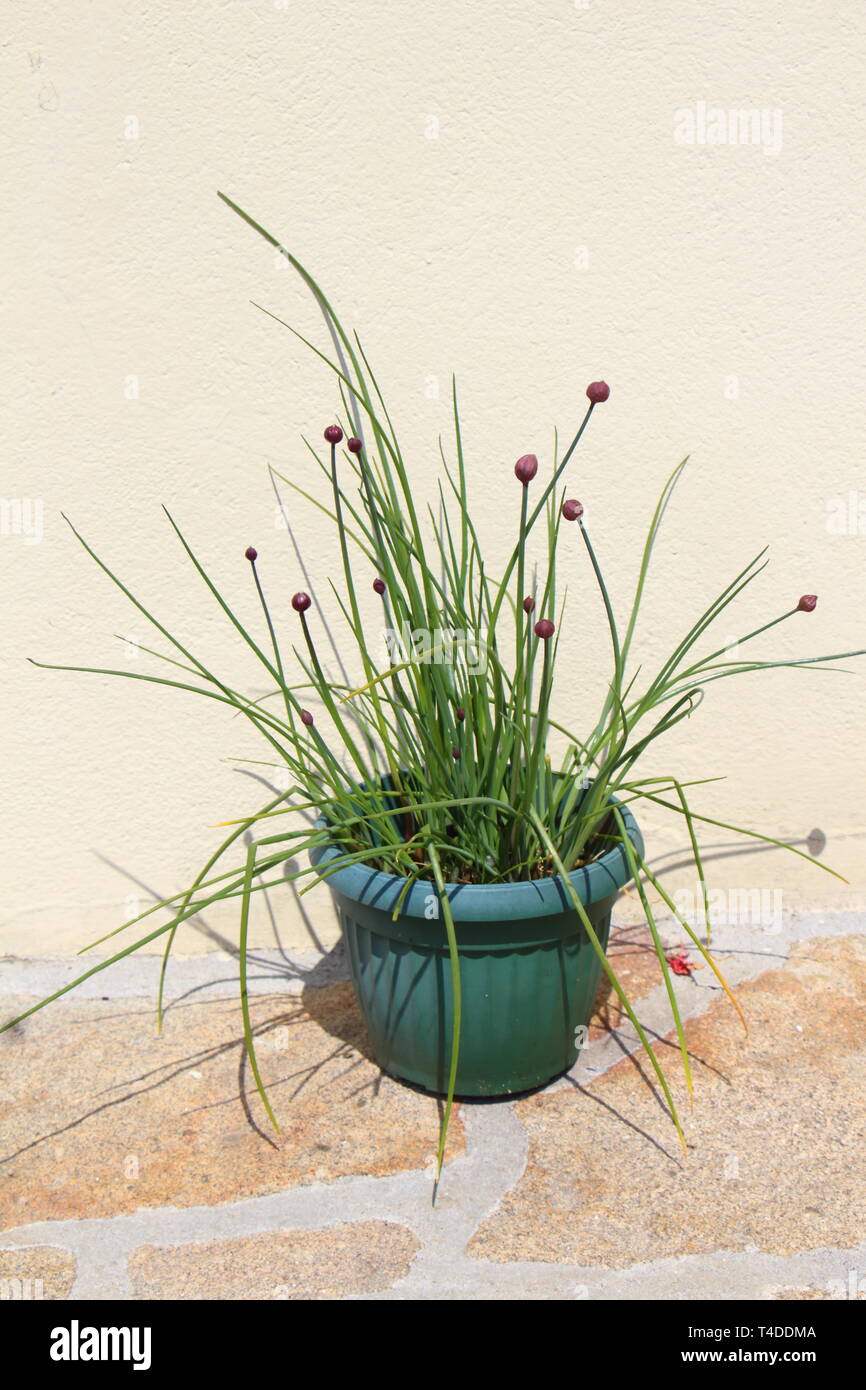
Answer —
473 841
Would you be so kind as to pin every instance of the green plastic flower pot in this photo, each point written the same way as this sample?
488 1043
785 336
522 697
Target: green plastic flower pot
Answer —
528 970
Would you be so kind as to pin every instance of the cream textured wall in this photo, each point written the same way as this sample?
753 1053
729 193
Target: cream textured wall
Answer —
503 190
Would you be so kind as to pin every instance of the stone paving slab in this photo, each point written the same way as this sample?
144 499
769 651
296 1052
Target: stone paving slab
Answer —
633 956
775 1136
102 1116
38 1273
366 1257
143 1167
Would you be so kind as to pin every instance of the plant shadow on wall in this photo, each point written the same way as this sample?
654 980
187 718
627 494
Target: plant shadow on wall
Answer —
473 842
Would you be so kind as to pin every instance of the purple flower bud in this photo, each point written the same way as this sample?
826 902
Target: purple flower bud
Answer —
455 753
251 554
597 391
301 602
460 714
306 717
526 468
379 585
333 434
354 445
572 509
544 629
528 603
807 603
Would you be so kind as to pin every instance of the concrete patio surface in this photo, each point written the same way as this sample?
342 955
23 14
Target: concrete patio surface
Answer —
138 1166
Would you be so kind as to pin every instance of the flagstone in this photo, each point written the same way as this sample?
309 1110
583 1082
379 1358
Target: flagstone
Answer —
366 1257
103 1116
775 1138
633 956
41 1273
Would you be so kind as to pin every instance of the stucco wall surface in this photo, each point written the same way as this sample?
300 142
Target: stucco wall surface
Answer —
667 196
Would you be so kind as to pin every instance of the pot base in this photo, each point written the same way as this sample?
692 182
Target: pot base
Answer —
500 1093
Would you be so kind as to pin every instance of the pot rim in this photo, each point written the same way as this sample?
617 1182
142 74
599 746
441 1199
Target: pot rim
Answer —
483 902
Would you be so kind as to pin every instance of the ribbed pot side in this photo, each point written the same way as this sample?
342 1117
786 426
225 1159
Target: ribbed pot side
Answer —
528 971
